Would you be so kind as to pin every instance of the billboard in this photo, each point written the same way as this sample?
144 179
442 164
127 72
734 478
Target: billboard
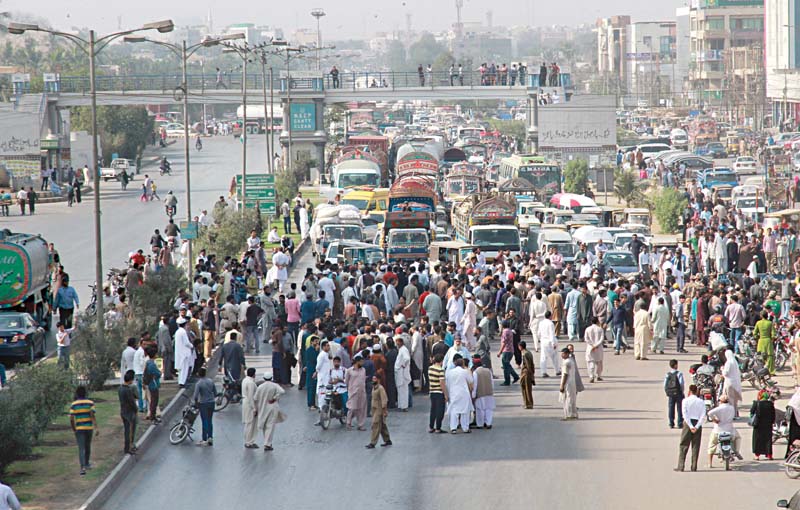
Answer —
731 3
584 122
304 117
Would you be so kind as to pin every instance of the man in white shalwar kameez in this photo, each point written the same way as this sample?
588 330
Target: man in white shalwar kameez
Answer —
184 352
594 336
483 394
571 385
280 261
268 411
659 318
458 382
470 320
733 380
402 372
537 312
417 355
549 345
323 372
249 408
455 310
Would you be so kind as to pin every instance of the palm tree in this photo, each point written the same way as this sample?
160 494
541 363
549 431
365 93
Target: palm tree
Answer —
627 187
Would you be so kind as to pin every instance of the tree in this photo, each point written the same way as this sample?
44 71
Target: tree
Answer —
227 235
123 130
425 51
395 57
576 176
669 204
627 186
285 186
513 128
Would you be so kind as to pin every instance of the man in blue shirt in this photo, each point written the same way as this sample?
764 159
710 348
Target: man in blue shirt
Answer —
66 302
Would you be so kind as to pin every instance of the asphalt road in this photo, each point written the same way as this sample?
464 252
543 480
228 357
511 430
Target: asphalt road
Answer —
618 456
127 223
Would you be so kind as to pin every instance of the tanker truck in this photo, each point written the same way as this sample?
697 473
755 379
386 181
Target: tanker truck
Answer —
25 275
488 223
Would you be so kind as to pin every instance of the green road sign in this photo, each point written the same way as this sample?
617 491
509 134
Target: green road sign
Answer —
257 180
264 207
259 194
189 229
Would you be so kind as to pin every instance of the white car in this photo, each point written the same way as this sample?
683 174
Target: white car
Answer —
175 129
745 165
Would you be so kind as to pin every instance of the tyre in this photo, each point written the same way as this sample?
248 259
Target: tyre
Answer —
780 360
792 472
32 351
325 417
91 310
754 382
727 463
342 418
221 402
178 433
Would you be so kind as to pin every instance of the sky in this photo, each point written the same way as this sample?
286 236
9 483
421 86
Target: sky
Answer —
345 18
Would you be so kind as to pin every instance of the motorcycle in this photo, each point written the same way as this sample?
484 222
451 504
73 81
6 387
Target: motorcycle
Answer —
331 408
198 145
170 210
91 309
231 393
782 354
780 428
165 167
725 449
184 428
792 464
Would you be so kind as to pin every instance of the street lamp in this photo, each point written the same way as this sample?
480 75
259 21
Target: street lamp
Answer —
183 52
92 47
318 13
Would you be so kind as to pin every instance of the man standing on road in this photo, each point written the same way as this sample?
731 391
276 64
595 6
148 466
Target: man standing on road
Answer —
642 332
268 411
355 379
674 388
437 391
66 302
694 415
594 336
570 385
22 198
204 396
249 408
459 395
380 411
506 353
184 352
527 380
166 348
252 314
32 197
482 393
402 374
84 424
128 407
286 212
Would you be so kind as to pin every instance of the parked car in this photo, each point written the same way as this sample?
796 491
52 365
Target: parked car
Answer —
745 165
621 261
21 338
175 129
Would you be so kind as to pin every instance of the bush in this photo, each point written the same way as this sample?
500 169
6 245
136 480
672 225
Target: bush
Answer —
94 361
157 295
285 186
628 187
669 204
33 399
227 236
576 176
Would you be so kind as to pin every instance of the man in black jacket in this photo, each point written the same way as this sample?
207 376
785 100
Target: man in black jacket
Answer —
128 409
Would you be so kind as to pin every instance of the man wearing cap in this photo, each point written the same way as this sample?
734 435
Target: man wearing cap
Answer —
458 381
268 411
249 408
380 411
457 349
571 385
184 352
402 372
355 379
322 371
455 309
595 336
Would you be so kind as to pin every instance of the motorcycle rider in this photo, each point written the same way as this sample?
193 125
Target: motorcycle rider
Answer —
339 386
172 230
198 144
722 416
171 203
164 166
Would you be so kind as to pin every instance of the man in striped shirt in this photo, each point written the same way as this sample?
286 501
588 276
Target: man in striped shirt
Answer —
84 423
437 394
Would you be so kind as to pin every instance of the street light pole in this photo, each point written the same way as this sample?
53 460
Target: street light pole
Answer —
184 60
318 13
91 48
244 131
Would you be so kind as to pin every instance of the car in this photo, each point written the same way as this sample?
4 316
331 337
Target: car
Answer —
21 338
622 240
710 177
745 165
174 129
691 161
621 261
713 150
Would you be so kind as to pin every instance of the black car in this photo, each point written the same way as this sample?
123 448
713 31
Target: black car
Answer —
21 337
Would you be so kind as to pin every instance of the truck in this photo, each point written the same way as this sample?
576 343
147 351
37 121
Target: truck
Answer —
378 146
117 167
488 223
406 230
352 170
25 275
335 223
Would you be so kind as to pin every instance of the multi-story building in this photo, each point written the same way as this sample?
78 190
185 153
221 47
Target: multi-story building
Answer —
650 60
612 34
682 52
725 37
782 24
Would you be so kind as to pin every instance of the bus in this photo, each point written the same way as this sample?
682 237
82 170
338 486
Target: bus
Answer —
545 176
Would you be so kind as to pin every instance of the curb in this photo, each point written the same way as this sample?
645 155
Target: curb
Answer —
117 475
85 191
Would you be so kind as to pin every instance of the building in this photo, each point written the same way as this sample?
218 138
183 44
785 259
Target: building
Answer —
650 61
725 41
254 34
783 60
612 46
682 53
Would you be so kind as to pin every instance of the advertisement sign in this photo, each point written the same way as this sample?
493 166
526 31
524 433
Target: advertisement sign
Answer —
189 229
303 117
585 122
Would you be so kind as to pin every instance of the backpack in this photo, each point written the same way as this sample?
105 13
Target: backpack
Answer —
673 386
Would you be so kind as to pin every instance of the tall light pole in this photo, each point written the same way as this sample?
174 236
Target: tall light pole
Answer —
183 52
92 47
242 51
318 13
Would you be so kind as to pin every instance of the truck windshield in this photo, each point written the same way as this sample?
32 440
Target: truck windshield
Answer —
408 238
499 237
354 180
565 249
352 233
361 205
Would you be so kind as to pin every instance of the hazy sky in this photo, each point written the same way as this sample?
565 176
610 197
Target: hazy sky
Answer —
344 18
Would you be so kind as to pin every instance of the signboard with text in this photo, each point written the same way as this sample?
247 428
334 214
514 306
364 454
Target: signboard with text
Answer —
303 117
189 229
264 206
587 121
